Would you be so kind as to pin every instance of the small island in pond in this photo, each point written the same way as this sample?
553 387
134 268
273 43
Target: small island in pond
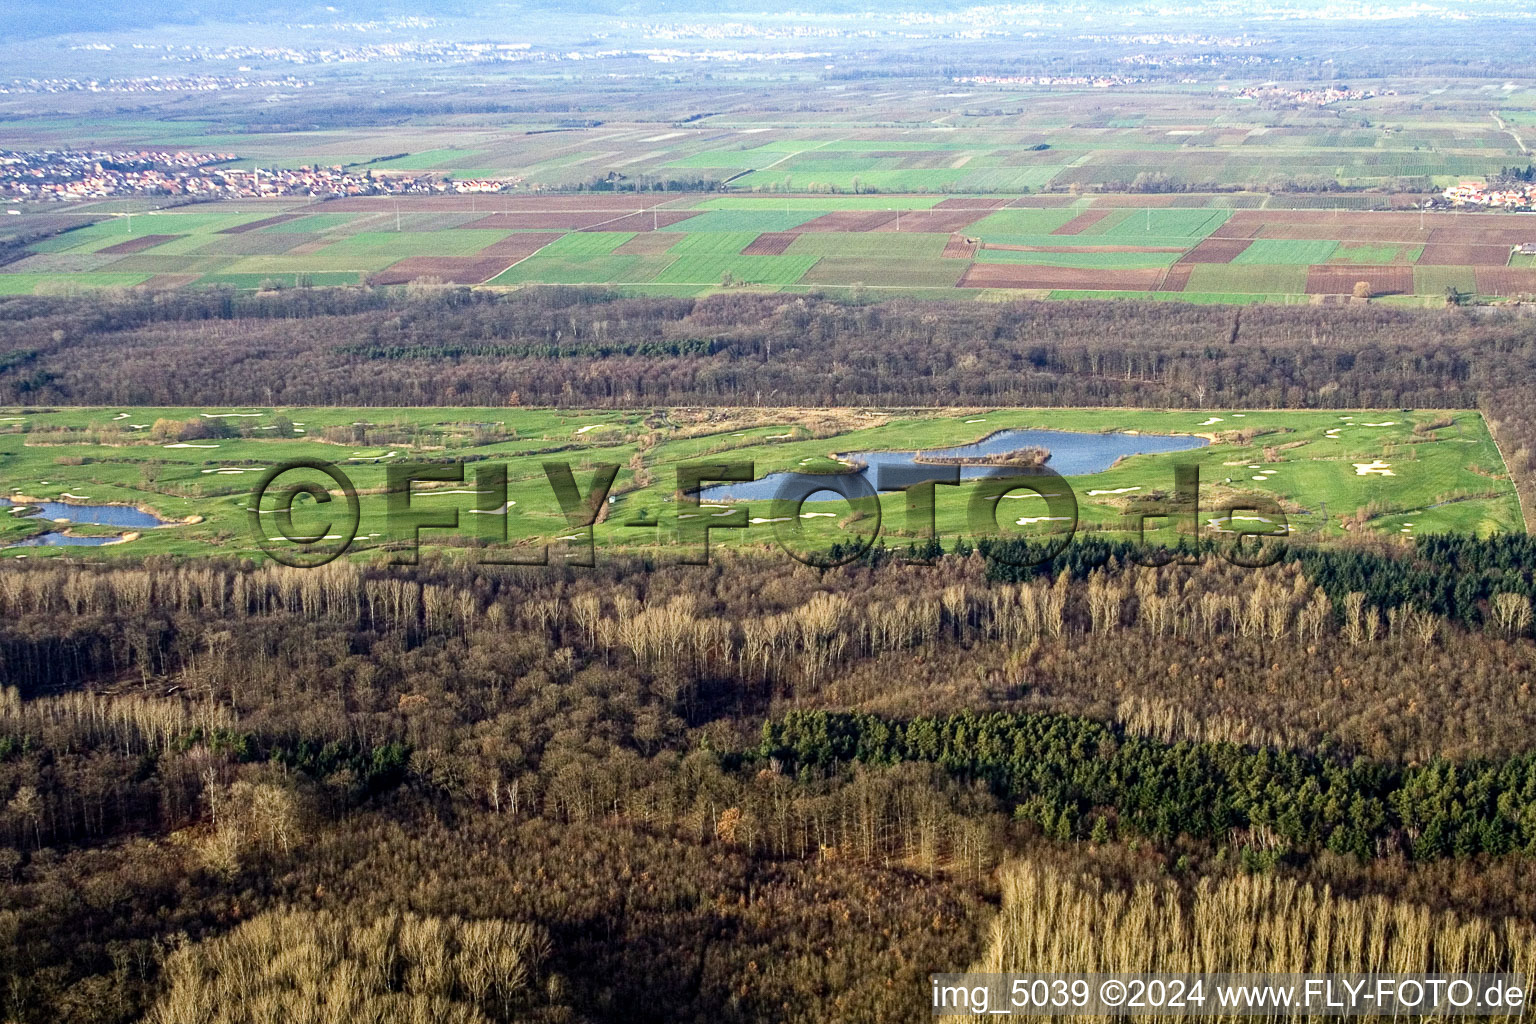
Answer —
1029 456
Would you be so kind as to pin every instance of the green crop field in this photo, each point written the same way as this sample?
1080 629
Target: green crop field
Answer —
1286 252
885 274
1088 260
1446 476
1375 254
1020 222
709 243
905 246
746 269
1161 224
556 269
1249 279
753 220
586 243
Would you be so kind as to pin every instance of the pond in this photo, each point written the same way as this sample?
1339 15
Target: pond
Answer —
60 540
97 515
1073 453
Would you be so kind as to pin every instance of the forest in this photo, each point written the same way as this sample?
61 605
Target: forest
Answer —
728 792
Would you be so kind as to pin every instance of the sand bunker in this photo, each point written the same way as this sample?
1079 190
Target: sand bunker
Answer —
492 511
1213 419
1025 521
1116 490
1379 467
184 445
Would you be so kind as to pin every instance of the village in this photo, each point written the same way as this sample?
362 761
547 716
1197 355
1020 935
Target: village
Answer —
63 175
1512 196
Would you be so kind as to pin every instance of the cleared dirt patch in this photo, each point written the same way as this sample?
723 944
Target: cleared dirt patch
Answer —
1231 230
454 269
261 243
569 220
1082 248
1506 280
1396 280
1040 202
971 204
135 245
240 229
1464 255
849 220
1176 278
1139 202
485 204
652 220
770 243
1083 220
516 247
1016 275
1216 250
959 248
934 221
1506 237
166 282
649 243
1398 233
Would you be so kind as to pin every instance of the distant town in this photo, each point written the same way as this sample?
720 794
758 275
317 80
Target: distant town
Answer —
100 174
1310 97
149 84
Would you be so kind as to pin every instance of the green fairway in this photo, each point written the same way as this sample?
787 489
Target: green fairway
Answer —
1322 466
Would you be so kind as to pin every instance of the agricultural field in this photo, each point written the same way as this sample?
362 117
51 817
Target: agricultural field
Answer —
1333 473
1192 246
930 137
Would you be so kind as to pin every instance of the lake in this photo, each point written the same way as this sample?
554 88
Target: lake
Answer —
1073 453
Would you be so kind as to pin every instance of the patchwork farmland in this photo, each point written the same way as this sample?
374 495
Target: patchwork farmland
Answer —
1191 246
